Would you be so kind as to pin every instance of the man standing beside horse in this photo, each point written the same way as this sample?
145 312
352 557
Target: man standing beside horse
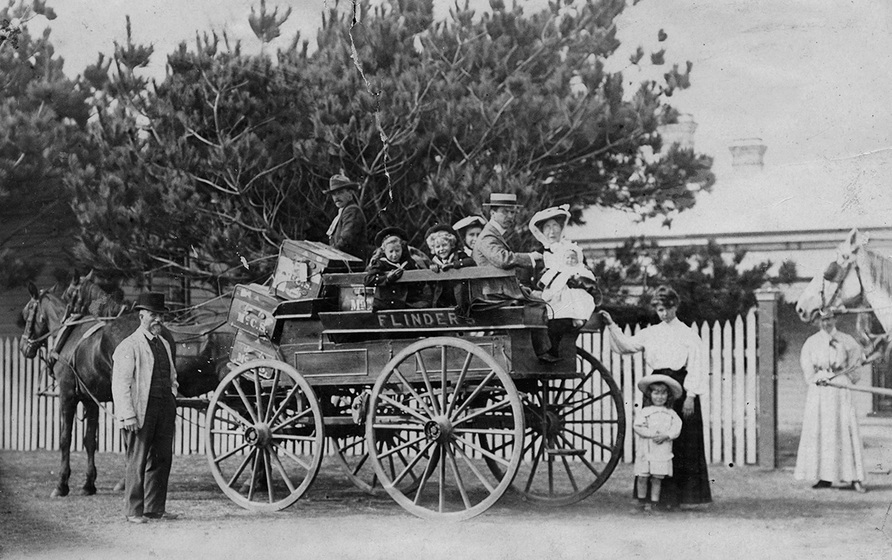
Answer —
144 383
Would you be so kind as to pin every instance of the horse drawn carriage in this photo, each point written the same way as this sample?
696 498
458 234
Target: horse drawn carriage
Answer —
443 412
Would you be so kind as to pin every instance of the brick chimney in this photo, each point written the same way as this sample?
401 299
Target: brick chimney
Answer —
747 154
681 133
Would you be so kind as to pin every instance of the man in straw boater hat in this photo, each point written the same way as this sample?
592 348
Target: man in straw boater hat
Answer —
144 384
491 249
347 231
830 447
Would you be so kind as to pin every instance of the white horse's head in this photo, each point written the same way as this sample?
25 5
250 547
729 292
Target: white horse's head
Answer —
839 284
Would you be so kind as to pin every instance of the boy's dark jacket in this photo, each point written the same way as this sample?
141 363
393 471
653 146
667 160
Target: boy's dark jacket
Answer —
388 293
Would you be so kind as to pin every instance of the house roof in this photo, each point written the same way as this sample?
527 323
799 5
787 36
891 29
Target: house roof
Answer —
820 195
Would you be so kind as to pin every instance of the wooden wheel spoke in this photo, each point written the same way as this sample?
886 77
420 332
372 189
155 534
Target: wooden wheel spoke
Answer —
586 438
238 417
489 408
291 420
584 403
458 384
360 463
427 384
230 453
580 385
402 427
241 468
272 397
412 392
292 456
228 432
253 480
535 465
412 463
591 421
477 390
425 475
400 447
283 404
483 451
493 431
245 401
442 477
585 461
281 468
458 480
404 408
570 474
475 470
267 471
443 371
258 395
292 437
356 442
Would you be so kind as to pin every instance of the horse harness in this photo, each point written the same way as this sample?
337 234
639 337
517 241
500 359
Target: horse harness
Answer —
837 274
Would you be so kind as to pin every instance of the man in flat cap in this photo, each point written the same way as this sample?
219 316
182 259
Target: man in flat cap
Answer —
347 231
144 383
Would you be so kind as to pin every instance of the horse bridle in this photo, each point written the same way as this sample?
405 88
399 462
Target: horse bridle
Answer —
838 278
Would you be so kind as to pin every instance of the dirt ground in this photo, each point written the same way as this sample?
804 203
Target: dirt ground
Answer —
756 514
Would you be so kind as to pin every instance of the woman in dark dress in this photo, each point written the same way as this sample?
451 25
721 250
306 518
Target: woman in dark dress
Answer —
672 348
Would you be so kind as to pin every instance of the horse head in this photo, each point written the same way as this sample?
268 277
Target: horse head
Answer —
839 284
43 315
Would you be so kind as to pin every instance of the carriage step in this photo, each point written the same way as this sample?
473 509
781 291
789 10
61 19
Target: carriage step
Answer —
565 452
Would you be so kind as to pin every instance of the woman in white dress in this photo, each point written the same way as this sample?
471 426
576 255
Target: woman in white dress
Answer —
830 449
672 348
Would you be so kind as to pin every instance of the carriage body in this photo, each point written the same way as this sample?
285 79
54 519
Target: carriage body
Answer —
408 398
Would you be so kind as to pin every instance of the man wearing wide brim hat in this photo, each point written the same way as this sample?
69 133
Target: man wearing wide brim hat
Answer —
144 384
347 231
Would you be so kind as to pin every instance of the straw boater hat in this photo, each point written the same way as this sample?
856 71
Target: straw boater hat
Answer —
673 385
151 301
467 222
340 181
502 200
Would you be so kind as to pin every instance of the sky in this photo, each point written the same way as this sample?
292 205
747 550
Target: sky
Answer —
809 77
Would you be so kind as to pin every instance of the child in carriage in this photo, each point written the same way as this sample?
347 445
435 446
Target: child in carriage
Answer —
447 254
386 267
656 425
567 289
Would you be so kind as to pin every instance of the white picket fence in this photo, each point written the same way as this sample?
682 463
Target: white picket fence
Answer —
29 420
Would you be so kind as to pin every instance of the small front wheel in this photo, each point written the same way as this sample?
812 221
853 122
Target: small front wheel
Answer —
264 434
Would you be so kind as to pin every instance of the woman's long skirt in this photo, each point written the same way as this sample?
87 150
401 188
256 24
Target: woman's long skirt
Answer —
690 481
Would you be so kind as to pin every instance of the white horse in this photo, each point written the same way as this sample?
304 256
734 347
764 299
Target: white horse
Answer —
858 277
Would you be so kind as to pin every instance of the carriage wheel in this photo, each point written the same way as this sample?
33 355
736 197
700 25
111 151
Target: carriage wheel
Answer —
352 456
574 436
264 434
436 397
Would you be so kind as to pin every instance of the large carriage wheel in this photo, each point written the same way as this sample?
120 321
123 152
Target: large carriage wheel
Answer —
574 437
436 397
264 434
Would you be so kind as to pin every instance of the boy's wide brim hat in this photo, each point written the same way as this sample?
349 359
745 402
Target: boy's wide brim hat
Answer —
467 222
560 213
340 181
673 385
151 301
389 231
497 200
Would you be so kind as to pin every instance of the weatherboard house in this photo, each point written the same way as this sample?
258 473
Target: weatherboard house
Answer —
797 212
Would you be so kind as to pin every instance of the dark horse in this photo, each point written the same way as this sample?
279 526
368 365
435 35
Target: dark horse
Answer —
84 366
